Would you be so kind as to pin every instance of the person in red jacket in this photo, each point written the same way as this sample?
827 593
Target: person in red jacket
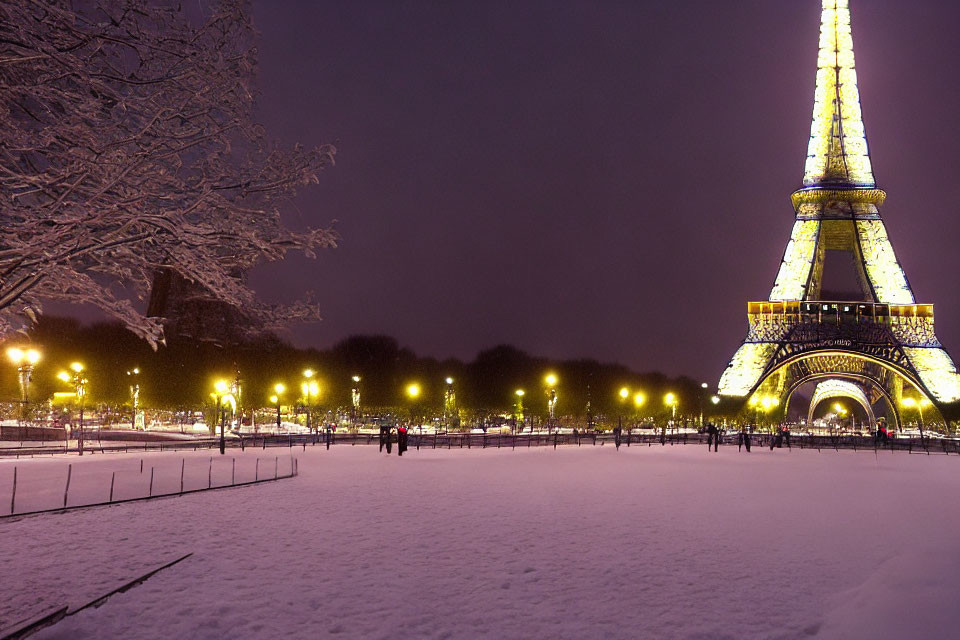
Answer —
401 440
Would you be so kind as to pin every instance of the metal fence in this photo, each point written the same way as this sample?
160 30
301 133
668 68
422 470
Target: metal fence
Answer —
60 487
459 440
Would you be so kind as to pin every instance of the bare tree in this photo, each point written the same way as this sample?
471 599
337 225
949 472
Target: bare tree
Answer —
128 147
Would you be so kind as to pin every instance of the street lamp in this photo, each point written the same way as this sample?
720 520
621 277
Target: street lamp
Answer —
24 359
703 390
133 376
910 402
355 398
309 387
278 390
671 401
519 414
79 383
624 393
413 392
449 402
220 391
551 381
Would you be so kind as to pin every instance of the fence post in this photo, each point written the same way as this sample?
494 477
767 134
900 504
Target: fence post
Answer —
113 476
256 475
141 465
150 493
183 463
66 489
233 472
13 497
276 467
210 473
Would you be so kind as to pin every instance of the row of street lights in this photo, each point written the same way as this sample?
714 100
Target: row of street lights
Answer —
228 394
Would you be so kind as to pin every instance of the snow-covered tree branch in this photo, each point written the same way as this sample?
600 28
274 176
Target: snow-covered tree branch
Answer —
128 147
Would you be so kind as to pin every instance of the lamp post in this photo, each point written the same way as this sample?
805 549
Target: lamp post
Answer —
910 402
449 402
671 401
133 376
309 387
519 413
355 398
24 359
413 393
79 383
638 400
221 391
278 390
551 390
703 390
624 393
769 403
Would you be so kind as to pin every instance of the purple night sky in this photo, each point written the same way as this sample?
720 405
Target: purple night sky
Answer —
607 180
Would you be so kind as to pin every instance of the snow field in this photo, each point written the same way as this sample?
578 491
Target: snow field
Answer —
658 542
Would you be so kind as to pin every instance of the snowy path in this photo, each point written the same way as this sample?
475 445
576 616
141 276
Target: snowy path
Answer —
575 543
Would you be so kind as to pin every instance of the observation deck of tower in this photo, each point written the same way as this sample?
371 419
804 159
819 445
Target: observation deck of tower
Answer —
877 338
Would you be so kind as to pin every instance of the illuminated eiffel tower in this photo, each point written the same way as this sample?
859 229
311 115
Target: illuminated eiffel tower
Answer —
865 337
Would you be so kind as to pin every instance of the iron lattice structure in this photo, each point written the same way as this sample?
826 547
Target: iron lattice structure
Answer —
878 337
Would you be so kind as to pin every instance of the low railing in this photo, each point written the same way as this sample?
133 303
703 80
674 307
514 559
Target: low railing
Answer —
460 440
40 490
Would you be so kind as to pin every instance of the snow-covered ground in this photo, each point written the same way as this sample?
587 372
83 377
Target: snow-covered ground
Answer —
647 542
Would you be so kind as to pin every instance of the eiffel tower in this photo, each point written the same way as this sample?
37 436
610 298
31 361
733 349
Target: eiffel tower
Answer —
863 337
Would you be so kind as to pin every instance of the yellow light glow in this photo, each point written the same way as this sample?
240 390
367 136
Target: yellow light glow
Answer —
670 399
551 380
639 399
745 368
798 259
279 388
883 270
838 144
624 392
937 371
356 378
308 373
220 386
63 375
77 367
449 380
16 355
520 392
908 402
314 388
715 399
274 399
413 390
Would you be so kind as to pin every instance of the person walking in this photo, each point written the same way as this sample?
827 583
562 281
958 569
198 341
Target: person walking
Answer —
744 439
401 440
384 436
617 433
713 436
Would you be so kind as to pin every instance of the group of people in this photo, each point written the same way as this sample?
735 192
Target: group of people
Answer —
714 434
386 439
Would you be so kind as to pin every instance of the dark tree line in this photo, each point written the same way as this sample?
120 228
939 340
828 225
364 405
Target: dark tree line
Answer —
181 374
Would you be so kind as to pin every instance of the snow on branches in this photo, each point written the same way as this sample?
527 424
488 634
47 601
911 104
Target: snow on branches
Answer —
128 147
